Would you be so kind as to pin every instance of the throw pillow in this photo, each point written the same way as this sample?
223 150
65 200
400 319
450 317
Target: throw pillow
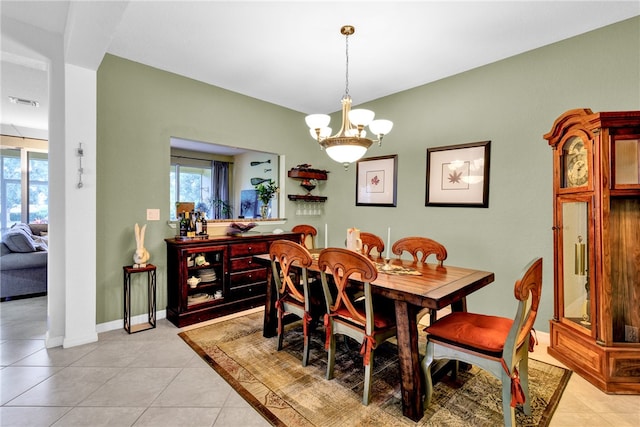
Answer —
18 240
41 242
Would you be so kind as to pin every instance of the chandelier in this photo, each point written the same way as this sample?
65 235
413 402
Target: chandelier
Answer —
351 142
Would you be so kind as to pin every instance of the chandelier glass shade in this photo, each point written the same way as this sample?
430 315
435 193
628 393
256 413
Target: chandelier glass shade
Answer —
351 142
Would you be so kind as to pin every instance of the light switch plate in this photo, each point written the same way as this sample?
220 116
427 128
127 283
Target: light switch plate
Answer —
153 214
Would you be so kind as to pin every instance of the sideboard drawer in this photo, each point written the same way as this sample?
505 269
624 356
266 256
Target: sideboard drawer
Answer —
242 264
252 248
247 277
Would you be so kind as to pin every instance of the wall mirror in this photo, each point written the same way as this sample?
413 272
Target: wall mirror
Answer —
221 181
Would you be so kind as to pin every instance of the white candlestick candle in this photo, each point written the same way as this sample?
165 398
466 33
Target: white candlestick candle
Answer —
326 236
388 242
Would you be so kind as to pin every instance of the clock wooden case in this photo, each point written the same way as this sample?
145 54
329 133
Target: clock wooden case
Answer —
596 190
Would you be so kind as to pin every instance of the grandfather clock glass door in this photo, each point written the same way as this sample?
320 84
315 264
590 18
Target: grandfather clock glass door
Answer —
576 302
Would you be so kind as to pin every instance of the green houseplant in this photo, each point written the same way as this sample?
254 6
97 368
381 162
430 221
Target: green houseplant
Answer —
266 191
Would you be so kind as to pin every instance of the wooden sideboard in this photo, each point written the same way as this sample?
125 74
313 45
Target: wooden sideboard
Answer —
230 280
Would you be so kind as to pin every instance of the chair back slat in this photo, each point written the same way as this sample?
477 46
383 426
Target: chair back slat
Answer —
286 253
343 264
420 245
370 242
307 235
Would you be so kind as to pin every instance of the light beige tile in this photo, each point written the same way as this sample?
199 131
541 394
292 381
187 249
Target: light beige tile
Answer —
97 417
201 387
24 416
163 354
13 350
132 387
112 354
67 387
194 417
578 419
16 380
57 356
236 401
240 417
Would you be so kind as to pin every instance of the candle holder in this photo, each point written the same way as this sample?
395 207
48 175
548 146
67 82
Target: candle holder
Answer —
387 265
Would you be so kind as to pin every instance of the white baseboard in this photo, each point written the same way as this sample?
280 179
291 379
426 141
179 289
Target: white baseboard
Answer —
119 324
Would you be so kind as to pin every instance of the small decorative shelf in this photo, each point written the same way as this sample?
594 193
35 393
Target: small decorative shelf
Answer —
308 204
307 198
308 174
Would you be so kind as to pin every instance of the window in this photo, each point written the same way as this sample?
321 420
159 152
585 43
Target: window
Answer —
24 191
203 183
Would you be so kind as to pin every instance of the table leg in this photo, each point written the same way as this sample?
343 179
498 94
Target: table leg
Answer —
270 320
411 376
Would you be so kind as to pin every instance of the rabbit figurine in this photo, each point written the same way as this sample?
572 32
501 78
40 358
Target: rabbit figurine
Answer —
141 255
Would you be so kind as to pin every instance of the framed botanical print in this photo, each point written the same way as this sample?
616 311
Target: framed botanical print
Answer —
376 179
458 175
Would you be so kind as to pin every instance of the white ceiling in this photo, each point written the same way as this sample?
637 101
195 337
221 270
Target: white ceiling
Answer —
291 53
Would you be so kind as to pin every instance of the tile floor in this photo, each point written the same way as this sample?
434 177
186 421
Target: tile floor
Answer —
153 378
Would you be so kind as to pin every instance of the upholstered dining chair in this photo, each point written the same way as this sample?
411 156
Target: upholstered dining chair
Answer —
495 344
292 297
371 243
369 320
308 235
420 246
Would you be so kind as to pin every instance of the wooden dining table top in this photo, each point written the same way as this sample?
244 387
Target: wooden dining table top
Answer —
431 285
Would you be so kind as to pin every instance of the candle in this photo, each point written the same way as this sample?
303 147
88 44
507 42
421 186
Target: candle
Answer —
388 242
326 236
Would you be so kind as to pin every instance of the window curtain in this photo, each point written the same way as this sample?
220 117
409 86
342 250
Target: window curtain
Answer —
220 195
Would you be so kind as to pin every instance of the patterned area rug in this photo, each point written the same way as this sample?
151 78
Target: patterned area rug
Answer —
286 394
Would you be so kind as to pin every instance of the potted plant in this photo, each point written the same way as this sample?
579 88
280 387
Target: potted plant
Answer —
266 191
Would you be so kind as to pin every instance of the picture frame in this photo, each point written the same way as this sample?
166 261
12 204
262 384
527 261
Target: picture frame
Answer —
376 181
249 207
458 175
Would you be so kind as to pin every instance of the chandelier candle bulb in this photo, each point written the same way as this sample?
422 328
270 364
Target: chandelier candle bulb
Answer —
326 236
388 242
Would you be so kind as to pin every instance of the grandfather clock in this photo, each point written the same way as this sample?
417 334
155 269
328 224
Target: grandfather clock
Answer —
596 217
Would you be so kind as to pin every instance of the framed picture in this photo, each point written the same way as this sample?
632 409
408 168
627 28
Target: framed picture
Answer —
376 179
249 204
458 175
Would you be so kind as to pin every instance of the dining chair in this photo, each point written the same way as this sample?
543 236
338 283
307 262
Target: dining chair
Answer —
308 235
420 248
292 298
420 245
371 243
496 344
369 320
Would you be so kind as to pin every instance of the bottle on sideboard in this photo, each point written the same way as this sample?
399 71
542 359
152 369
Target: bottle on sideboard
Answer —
204 224
183 225
190 227
198 222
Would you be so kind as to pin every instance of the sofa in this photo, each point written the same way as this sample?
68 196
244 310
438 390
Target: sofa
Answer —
23 261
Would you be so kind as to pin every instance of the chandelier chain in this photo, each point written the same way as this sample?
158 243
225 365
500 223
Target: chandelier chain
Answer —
346 90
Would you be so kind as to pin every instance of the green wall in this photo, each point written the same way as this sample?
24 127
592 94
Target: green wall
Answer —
512 103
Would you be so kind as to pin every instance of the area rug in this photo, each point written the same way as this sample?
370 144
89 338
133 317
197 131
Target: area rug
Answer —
287 394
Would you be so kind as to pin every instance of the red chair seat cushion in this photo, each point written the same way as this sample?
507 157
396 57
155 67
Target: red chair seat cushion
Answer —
381 320
479 331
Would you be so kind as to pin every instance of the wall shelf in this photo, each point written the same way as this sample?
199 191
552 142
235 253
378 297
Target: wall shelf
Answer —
307 203
308 174
307 198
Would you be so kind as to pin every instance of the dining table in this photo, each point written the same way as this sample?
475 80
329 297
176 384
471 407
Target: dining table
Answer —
412 286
